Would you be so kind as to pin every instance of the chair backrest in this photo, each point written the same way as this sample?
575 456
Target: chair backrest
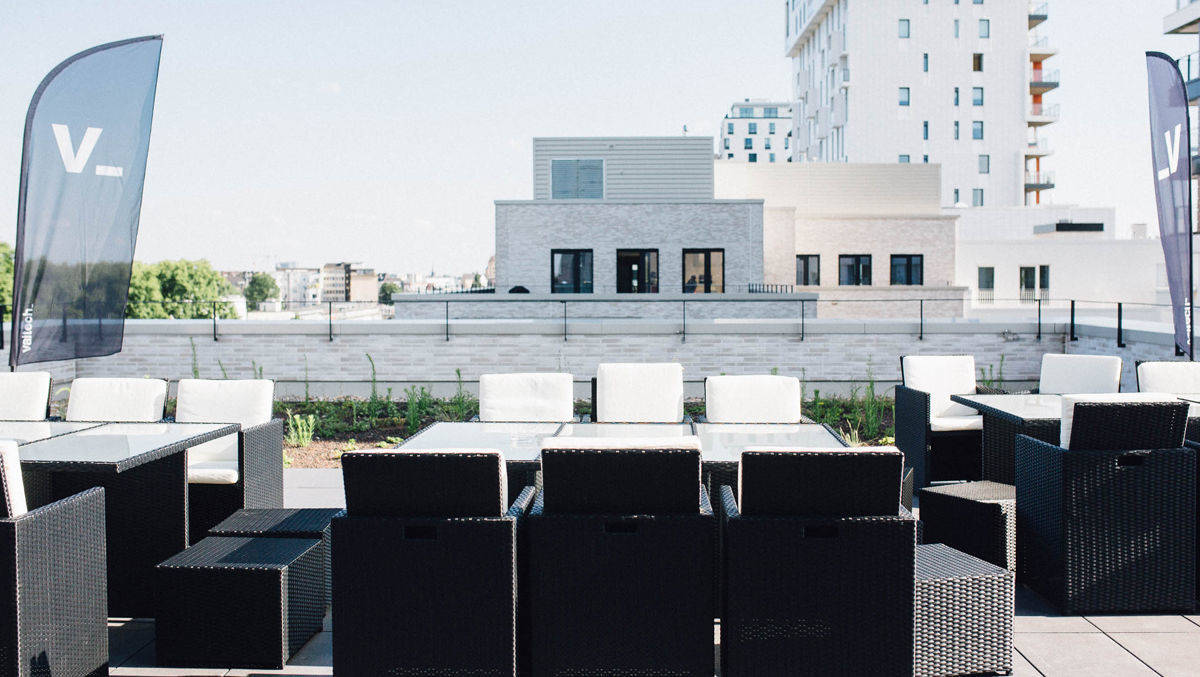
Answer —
1168 377
540 398
639 393
1079 374
843 482
621 476
941 376
1122 421
752 399
117 399
425 483
24 395
11 480
247 402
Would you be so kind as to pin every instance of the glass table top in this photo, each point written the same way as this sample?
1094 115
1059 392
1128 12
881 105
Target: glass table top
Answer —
725 441
115 442
1026 406
24 432
638 430
517 441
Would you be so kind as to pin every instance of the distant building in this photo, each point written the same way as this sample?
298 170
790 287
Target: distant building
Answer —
757 130
348 282
489 271
298 285
238 279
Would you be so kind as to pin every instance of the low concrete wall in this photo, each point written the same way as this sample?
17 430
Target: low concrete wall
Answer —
606 306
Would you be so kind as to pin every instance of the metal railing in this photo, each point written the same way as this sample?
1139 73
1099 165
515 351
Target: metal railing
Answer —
1189 66
1038 75
1039 178
1039 42
1042 110
1038 146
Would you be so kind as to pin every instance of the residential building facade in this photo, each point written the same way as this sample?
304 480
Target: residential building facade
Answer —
1185 21
960 84
348 282
298 285
756 130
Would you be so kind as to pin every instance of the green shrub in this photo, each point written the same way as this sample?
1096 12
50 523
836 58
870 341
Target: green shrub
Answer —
300 429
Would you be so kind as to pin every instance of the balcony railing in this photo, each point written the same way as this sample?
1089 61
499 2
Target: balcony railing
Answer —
1039 147
1036 42
1042 9
1044 76
986 296
1189 65
1039 178
1042 110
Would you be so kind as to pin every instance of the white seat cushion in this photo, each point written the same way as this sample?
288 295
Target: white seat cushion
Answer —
212 472
1069 402
569 442
1062 374
1169 377
245 402
459 450
639 393
10 475
526 398
752 399
941 376
24 395
221 450
117 399
953 423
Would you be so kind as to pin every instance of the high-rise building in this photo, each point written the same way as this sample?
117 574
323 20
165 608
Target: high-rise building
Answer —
1185 20
757 130
958 83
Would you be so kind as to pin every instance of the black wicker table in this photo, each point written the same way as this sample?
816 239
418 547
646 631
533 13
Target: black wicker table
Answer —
964 614
143 469
519 443
239 602
1005 417
978 518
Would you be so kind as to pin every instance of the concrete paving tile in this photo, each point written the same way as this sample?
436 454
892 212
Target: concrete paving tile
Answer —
315 658
1045 624
1194 619
126 638
1068 655
1111 624
1022 667
1170 654
143 664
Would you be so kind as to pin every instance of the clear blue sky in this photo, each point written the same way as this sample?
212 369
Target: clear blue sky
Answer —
382 131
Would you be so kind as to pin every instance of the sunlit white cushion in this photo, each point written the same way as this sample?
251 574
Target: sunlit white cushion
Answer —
245 402
117 399
24 395
941 376
571 442
1169 377
212 472
494 457
639 393
752 399
953 423
1069 402
526 398
10 474
1063 374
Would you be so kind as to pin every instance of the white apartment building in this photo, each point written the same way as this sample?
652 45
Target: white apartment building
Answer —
757 130
958 83
298 285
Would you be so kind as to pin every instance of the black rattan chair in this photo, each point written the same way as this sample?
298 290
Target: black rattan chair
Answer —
425 565
259 484
1109 525
620 555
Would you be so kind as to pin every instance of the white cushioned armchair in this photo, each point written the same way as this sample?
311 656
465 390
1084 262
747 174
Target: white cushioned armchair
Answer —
1079 374
236 471
752 399
125 400
24 396
638 393
1177 378
526 398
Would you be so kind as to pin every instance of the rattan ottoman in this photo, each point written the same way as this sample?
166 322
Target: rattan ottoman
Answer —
239 602
964 614
978 518
284 523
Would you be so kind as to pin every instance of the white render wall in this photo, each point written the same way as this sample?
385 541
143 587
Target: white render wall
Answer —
635 168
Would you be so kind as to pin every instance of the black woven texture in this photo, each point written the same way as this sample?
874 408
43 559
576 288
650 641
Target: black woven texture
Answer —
612 595
999 437
621 481
977 518
429 484
239 602
912 431
52 587
426 596
850 483
259 485
1107 531
1128 425
906 488
823 596
964 614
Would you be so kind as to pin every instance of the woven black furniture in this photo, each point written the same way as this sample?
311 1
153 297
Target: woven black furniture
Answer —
52 589
964 614
977 518
425 566
620 551
259 485
285 523
241 602
1001 426
1109 526
818 595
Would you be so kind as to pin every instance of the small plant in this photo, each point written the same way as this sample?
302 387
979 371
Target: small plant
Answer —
224 374
418 407
255 369
350 445
394 441
462 405
195 361
306 398
287 460
300 429
383 445
993 377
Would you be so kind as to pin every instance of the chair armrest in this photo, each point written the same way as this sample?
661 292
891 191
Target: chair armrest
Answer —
912 430
989 390
522 503
728 503
260 464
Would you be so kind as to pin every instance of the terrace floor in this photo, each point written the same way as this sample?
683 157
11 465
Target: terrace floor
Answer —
1046 643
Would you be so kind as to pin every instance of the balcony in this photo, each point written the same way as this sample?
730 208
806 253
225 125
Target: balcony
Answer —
838 118
824 122
1041 115
1042 81
1035 181
1038 14
1040 49
1189 67
844 76
1185 19
1038 148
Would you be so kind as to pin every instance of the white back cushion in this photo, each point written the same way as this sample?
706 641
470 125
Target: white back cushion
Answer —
1062 374
606 443
1069 402
24 395
10 474
639 393
752 399
117 399
526 398
1169 377
245 402
942 376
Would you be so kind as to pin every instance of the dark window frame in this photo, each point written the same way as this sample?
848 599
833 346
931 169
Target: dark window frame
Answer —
652 287
808 260
913 263
707 270
858 260
578 286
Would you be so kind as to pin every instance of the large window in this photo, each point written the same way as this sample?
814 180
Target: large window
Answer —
905 96
577 179
767 143
637 271
745 112
571 271
752 128
908 269
925 130
728 127
985 164
977 130
905 159
854 270
905 28
1027 277
977 62
977 96
770 112
1044 282
977 197
985 28
808 269
771 128
987 284
703 271
748 144
752 157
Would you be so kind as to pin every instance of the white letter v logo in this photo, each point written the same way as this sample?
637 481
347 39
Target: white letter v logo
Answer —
73 161
1172 153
